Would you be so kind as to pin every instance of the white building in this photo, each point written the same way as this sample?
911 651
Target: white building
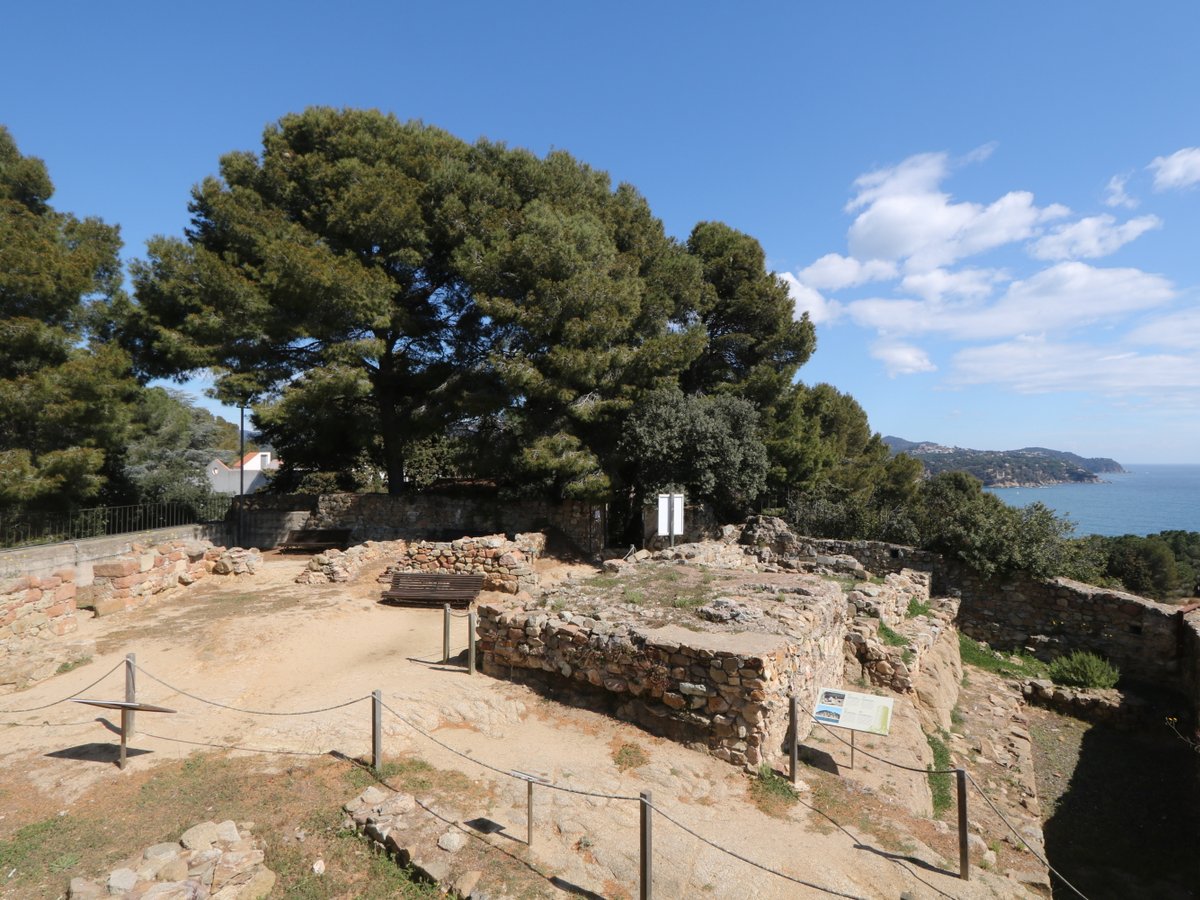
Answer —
228 479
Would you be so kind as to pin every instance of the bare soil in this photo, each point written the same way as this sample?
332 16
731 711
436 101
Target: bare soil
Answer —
263 643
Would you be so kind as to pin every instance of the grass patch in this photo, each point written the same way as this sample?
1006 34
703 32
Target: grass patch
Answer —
940 785
890 637
637 598
603 582
772 793
908 656
917 608
117 817
630 756
72 664
1017 664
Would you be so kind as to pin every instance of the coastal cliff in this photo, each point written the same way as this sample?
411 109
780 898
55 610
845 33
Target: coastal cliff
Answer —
1027 467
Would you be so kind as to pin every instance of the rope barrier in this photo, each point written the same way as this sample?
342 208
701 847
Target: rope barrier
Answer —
1019 837
161 737
747 861
546 784
252 712
64 699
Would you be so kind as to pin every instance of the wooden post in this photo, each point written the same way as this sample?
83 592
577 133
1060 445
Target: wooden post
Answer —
377 730
529 816
126 726
794 728
964 849
471 643
130 697
852 749
647 866
445 633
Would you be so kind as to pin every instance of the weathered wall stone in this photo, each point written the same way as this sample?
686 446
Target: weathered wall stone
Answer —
725 691
130 581
506 566
339 566
425 516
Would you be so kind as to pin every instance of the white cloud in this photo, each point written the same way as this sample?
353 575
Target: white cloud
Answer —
1180 330
1035 366
1179 170
904 216
1064 295
834 272
809 300
1114 193
901 358
1092 237
972 284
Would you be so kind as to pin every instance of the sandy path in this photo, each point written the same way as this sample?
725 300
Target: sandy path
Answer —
266 643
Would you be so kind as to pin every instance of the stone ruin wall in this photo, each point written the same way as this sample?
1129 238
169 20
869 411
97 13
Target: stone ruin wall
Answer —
34 611
506 566
727 692
384 517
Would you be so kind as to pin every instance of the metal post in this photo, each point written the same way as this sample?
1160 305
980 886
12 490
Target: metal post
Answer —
241 479
647 867
671 517
377 730
470 643
794 728
852 749
529 816
964 850
130 692
445 633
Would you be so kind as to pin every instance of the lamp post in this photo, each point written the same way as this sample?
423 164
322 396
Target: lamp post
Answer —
241 477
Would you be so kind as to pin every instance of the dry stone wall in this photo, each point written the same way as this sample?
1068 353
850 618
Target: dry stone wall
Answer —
725 691
130 581
506 566
338 566
424 516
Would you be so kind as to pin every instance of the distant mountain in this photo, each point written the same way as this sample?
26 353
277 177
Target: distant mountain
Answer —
1028 467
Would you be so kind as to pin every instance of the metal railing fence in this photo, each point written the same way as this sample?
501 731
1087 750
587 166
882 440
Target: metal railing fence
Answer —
30 528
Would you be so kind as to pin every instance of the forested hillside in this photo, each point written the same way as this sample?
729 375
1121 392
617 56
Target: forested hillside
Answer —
1028 467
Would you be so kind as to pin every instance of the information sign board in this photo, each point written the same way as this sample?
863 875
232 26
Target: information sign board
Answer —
858 712
670 515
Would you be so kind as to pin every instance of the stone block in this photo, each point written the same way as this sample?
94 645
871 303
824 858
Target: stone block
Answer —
118 568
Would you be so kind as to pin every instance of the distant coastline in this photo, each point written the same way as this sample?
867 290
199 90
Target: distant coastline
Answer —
1027 467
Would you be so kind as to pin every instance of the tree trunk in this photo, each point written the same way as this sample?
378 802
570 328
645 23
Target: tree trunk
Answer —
391 430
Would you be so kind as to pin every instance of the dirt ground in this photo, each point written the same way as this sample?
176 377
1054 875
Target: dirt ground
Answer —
263 643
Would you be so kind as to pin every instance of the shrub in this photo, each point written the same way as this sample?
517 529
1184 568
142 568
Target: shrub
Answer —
1083 669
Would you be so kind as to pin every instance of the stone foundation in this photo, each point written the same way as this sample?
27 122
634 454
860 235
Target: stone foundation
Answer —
725 691
506 566
338 566
129 582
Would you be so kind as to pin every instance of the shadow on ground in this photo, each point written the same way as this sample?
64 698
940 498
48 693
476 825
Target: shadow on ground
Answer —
1127 823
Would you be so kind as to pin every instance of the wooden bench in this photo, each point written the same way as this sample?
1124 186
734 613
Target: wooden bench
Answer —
433 589
316 539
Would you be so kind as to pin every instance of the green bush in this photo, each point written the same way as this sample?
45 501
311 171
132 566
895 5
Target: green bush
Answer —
1083 669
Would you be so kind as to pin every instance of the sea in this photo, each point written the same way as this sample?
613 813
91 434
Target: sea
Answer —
1145 500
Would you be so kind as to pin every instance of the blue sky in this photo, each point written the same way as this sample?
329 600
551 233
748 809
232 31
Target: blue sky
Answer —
991 211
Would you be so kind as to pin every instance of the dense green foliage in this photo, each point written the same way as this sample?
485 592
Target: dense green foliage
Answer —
65 395
393 300
76 428
1163 566
1083 669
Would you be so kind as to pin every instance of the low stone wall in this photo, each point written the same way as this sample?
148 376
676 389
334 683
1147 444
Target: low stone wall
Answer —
727 692
129 581
506 566
898 667
339 566
1051 618
424 516
35 610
